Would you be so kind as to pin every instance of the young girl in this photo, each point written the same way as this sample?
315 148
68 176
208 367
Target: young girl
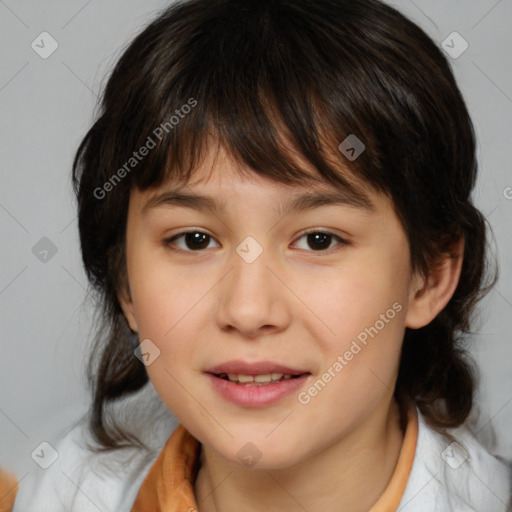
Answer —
275 211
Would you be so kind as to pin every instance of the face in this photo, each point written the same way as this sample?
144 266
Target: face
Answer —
256 288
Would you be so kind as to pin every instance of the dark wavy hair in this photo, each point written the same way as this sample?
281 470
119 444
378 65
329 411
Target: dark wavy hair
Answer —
261 74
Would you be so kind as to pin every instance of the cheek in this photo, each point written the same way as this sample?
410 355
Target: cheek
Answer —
365 313
361 358
168 309
353 301
163 295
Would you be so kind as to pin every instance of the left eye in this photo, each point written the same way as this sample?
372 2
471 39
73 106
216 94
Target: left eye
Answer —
321 240
195 241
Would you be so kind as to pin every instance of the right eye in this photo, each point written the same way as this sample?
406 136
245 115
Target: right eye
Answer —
194 241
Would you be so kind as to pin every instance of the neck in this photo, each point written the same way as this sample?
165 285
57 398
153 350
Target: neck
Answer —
348 476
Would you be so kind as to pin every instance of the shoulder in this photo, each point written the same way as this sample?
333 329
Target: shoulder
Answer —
81 480
454 472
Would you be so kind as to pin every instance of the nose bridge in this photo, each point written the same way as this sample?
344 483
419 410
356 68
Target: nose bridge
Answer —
250 275
249 297
251 264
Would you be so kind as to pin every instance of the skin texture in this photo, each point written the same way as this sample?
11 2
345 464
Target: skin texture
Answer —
295 305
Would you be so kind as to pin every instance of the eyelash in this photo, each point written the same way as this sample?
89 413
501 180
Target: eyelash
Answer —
169 242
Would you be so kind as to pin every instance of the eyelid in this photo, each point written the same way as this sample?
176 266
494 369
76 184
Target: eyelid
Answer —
342 241
325 231
168 242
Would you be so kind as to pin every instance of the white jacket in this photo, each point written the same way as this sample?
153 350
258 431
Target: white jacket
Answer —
445 477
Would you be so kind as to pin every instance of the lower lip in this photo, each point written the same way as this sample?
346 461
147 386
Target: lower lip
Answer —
256 396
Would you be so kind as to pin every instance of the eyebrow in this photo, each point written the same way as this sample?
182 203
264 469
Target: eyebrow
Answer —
300 203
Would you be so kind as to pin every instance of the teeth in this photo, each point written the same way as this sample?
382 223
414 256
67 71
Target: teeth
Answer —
261 379
244 378
265 377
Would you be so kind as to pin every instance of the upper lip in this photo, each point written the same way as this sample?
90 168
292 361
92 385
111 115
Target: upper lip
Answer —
256 368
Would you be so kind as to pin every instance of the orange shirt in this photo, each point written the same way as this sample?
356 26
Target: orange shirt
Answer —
8 490
169 485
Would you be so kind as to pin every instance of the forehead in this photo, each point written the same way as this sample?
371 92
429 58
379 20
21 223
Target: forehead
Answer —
219 180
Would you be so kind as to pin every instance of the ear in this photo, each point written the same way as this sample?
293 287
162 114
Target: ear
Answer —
429 296
126 303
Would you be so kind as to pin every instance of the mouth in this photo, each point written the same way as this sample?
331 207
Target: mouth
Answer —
263 379
260 373
256 384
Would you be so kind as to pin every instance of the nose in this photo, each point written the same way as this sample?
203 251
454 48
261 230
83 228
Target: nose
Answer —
252 298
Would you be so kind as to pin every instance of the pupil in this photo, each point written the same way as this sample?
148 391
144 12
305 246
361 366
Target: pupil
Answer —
193 240
323 238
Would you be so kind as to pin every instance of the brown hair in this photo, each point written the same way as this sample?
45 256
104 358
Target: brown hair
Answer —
256 73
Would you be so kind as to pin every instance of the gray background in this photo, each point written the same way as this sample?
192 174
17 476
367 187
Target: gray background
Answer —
47 107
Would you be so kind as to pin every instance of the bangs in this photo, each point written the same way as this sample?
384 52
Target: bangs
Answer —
258 84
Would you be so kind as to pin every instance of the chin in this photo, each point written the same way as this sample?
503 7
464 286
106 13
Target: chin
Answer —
256 452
